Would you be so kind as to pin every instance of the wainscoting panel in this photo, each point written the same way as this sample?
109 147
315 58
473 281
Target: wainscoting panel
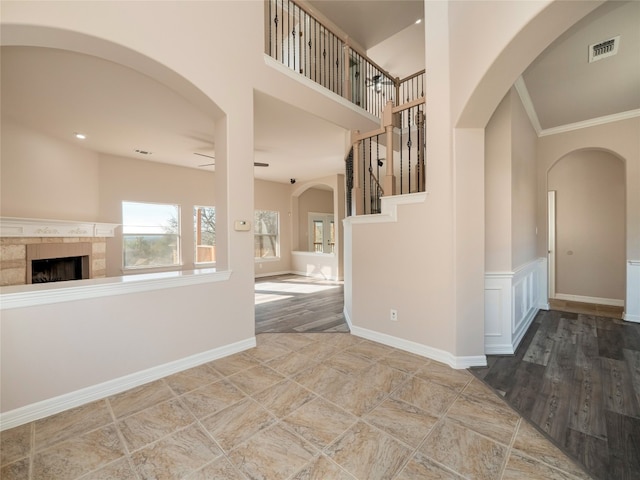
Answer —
512 300
632 304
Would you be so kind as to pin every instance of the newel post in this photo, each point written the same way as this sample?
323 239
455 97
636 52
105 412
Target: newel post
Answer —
389 184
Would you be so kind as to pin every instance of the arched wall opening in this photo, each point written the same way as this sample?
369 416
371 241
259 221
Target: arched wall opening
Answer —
317 211
588 245
108 52
477 87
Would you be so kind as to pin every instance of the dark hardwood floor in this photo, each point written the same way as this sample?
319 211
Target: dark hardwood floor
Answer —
297 304
577 378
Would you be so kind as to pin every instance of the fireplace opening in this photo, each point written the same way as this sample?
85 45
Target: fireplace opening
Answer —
57 269
58 262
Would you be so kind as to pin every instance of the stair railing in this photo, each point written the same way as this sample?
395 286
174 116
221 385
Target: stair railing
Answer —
394 153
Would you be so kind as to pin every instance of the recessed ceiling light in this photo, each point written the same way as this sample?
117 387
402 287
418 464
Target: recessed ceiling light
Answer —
80 136
418 21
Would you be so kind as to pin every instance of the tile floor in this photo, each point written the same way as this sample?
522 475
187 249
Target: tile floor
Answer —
298 406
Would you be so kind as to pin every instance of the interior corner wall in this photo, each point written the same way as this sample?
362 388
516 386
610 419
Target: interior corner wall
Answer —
514 287
43 177
524 141
498 195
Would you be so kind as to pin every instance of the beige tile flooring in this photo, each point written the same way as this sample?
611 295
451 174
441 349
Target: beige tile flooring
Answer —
298 406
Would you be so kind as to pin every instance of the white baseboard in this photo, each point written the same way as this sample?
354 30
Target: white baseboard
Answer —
317 275
419 349
272 274
348 319
51 406
630 318
613 302
500 349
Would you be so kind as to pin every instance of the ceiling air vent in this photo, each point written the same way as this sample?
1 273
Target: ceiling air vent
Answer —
601 50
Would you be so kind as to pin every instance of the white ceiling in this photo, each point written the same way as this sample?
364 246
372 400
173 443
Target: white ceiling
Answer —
59 93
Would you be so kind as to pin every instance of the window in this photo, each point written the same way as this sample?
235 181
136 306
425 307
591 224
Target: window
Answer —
150 235
204 222
265 229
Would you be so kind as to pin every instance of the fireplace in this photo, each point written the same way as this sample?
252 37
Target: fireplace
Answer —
58 262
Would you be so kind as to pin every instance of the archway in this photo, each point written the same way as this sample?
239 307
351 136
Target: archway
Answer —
588 255
317 212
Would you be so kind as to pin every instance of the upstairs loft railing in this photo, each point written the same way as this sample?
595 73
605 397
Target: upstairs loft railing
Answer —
302 43
388 161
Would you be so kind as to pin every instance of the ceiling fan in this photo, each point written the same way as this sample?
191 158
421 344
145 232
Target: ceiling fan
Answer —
377 81
255 164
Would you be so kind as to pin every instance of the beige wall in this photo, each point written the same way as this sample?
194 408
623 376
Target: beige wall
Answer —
590 224
46 178
277 197
498 189
313 200
621 139
524 144
127 179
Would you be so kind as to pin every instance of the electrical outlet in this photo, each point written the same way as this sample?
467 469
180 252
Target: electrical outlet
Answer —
393 315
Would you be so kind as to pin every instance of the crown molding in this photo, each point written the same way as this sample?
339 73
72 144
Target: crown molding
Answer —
616 117
525 98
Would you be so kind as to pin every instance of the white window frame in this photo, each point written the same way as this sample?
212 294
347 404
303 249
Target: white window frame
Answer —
177 263
195 237
277 236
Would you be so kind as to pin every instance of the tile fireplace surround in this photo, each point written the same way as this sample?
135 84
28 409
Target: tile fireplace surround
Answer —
17 233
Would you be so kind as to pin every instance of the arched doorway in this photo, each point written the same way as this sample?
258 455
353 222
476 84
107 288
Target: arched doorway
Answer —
587 252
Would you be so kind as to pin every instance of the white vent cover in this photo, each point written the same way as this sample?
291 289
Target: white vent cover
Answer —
604 49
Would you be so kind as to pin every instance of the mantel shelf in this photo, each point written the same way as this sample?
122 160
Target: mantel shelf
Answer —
33 227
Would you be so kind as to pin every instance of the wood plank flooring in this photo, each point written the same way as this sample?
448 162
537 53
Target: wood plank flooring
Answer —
577 378
297 304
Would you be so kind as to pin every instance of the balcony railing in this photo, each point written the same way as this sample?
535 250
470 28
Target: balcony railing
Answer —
302 43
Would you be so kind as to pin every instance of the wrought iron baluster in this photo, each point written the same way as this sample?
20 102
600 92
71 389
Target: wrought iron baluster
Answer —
409 144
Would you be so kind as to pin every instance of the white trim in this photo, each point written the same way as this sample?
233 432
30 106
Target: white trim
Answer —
591 122
527 103
348 319
51 406
419 349
389 208
273 274
613 302
37 228
19 296
632 304
525 98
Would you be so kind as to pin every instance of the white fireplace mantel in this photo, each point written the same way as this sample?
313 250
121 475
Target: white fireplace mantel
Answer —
33 227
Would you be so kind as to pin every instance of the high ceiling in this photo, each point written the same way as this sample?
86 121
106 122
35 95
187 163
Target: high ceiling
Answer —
566 89
58 93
